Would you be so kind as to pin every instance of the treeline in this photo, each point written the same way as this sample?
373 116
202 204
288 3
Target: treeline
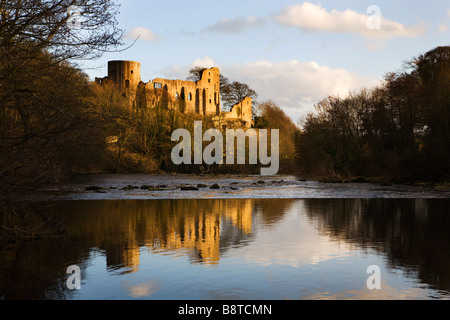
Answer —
399 130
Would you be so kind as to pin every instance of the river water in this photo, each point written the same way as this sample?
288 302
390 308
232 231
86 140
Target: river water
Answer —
253 238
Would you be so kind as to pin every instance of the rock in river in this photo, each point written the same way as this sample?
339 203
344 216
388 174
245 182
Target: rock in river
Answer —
189 189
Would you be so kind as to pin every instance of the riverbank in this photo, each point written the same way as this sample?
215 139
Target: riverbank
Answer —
384 181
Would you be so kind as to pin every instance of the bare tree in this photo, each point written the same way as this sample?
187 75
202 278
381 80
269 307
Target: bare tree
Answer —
42 96
69 29
235 92
195 73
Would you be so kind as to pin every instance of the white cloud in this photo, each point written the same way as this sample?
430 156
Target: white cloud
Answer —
206 62
314 18
142 33
236 25
294 85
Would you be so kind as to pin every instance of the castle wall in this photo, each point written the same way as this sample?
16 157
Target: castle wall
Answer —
201 97
241 111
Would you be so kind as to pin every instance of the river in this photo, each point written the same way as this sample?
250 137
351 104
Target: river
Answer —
143 237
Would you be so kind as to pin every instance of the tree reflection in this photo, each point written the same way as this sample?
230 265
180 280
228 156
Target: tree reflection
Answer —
413 234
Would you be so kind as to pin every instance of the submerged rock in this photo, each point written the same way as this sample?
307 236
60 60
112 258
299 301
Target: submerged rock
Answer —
189 189
215 186
93 188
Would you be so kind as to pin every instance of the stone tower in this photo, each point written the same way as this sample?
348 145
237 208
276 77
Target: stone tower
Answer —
125 74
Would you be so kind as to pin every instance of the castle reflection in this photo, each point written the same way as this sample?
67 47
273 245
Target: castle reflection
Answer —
201 228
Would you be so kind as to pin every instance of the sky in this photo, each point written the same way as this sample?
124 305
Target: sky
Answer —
295 53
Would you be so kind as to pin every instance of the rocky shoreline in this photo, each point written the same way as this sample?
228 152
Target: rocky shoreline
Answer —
145 186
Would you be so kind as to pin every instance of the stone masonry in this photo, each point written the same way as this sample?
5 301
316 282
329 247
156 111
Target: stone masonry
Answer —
201 97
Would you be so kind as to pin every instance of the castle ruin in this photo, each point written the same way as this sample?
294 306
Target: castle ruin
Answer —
201 97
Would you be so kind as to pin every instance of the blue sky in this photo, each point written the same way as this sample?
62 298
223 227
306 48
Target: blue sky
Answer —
292 52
